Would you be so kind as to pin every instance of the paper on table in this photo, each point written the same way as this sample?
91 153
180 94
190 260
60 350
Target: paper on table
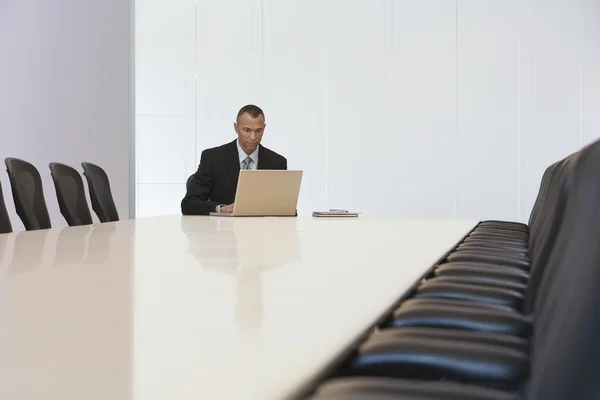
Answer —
334 213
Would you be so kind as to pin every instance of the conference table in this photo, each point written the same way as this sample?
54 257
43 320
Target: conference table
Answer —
192 307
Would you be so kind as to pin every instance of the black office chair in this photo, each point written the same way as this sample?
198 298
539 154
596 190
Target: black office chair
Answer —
189 181
28 194
494 290
5 226
565 346
101 197
70 194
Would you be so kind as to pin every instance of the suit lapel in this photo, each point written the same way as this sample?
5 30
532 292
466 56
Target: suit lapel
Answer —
263 162
233 164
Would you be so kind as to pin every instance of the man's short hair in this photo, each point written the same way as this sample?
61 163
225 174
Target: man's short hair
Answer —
251 109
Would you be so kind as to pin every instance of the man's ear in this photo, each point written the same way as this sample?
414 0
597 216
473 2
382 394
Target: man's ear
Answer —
235 126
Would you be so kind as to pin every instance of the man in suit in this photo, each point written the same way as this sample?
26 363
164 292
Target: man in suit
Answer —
212 188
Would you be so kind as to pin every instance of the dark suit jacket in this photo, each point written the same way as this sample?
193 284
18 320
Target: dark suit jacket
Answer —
216 180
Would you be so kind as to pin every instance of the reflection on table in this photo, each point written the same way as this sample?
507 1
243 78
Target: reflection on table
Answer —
253 239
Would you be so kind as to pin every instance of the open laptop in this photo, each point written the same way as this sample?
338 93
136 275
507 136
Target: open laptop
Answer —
266 193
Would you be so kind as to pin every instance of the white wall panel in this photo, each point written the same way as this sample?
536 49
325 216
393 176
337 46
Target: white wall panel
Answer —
550 118
294 70
486 137
362 161
159 199
422 109
590 13
550 91
166 112
590 85
233 81
232 25
163 63
229 66
552 26
161 144
391 107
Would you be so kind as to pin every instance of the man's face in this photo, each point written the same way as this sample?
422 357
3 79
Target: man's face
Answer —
250 131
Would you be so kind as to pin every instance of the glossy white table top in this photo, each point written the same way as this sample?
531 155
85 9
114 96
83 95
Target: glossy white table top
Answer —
199 307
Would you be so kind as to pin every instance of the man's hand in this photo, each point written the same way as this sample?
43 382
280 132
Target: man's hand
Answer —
227 209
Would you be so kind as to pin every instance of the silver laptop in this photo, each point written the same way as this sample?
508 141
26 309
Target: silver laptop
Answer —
266 193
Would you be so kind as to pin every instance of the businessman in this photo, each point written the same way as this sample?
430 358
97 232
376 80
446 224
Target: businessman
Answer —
212 188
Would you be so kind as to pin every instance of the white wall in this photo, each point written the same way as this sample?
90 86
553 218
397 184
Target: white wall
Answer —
391 107
65 80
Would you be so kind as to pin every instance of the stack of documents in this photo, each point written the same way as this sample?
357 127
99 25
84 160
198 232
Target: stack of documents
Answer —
334 213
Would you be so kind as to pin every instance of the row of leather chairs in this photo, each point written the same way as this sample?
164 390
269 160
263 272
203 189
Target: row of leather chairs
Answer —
30 202
510 313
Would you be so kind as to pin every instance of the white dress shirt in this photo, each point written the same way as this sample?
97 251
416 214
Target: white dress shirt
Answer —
242 156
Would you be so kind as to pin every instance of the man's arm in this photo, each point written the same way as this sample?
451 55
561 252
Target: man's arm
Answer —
196 200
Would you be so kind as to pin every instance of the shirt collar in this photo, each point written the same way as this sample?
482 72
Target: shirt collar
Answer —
242 154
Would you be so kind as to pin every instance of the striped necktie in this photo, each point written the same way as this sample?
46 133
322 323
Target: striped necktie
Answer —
246 163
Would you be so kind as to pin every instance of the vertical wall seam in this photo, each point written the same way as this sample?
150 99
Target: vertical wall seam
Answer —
456 110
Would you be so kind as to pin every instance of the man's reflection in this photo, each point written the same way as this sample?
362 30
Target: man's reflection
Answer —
249 299
243 248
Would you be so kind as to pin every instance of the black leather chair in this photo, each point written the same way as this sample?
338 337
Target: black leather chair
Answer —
189 181
28 194
445 300
70 194
5 225
486 233
484 315
540 242
518 226
565 345
515 255
101 197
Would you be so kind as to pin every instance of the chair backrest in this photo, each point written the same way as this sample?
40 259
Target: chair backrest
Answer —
28 194
543 233
101 197
5 225
541 194
566 343
189 181
70 194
